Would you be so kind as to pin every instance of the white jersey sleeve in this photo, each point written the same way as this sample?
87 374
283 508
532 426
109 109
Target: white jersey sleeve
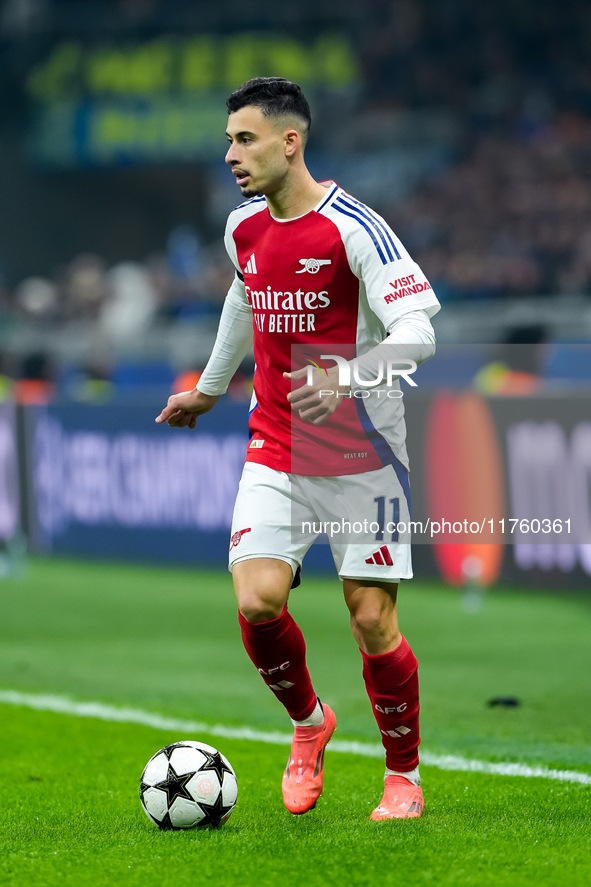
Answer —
393 283
235 332
229 240
232 343
411 337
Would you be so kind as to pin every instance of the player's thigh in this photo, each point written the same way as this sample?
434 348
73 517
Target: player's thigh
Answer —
371 595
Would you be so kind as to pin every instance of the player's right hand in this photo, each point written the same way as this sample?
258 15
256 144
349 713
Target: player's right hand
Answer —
182 409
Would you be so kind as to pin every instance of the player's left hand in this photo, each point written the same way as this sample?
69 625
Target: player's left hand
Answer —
316 402
182 409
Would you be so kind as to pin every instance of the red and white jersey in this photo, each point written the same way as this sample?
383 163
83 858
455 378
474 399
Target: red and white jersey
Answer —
335 276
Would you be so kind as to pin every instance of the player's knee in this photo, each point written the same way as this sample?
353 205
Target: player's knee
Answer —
372 616
261 590
256 607
368 620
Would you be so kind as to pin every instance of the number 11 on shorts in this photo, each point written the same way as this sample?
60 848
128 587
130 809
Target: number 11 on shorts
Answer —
395 503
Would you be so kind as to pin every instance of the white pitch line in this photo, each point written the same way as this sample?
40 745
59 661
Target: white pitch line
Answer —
63 705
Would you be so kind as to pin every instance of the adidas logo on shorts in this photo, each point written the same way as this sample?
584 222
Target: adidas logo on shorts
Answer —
381 557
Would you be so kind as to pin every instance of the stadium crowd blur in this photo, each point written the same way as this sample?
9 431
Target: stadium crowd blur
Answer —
505 211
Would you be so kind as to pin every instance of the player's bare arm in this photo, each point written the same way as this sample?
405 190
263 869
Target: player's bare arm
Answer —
316 402
182 409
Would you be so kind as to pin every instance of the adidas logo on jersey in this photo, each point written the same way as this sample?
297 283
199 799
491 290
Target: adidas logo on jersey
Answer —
251 266
381 557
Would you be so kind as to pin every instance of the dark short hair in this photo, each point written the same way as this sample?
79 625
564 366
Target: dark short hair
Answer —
275 96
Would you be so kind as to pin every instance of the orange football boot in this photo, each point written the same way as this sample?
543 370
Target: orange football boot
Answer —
402 800
304 775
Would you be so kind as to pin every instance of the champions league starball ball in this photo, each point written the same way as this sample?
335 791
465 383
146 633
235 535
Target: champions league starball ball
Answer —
188 785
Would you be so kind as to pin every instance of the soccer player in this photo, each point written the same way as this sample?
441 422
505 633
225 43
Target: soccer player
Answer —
315 266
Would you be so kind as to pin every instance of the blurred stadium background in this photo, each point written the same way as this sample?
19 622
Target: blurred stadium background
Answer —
468 126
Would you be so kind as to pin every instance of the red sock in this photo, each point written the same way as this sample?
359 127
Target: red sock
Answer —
278 650
392 684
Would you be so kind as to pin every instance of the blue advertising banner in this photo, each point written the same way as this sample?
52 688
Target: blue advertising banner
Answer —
109 481
9 474
501 486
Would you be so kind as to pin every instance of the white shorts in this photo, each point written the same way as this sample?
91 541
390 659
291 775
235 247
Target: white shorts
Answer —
365 516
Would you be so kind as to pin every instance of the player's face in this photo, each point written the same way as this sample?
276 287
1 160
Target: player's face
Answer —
257 152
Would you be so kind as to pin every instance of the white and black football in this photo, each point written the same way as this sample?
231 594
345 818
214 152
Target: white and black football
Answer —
188 785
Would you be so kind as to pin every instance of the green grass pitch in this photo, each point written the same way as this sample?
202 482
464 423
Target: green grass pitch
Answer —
167 641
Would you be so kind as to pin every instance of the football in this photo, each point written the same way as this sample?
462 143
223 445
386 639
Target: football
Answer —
188 785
